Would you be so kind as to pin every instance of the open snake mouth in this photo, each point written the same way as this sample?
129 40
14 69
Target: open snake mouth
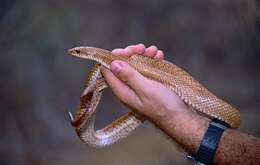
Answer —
85 100
85 107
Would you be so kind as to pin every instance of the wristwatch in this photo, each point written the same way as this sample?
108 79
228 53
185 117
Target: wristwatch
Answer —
209 143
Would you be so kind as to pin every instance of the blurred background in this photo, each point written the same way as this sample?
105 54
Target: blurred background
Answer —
217 41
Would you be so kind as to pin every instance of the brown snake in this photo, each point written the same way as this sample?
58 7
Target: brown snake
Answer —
170 75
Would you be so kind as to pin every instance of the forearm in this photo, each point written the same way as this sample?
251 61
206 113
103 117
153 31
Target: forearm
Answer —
188 128
238 148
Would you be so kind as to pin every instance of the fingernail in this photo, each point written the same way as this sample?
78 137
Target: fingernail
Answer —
116 67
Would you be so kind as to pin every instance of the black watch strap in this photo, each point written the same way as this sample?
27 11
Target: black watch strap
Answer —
209 143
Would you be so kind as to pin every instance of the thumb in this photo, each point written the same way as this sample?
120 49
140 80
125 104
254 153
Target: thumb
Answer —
129 75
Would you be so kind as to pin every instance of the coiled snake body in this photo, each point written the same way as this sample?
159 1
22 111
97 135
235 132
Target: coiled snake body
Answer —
170 75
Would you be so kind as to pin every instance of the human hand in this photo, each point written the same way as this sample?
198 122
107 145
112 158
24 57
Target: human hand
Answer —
169 112
152 99
148 97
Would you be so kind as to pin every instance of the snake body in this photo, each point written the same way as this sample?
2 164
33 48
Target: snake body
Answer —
170 75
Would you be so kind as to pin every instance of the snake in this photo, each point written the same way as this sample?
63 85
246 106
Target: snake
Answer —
191 91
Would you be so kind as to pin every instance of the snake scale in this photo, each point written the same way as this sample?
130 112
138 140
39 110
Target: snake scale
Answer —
170 75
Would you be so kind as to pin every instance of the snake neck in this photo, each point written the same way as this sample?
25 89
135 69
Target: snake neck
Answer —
101 56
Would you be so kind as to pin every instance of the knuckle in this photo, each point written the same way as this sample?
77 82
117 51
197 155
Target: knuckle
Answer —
131 74
127 75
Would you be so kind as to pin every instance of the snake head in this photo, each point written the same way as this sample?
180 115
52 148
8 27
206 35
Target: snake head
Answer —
90 53
77 51
102 56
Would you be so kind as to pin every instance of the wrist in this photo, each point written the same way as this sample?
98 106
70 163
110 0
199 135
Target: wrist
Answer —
190 130
209 144
185 126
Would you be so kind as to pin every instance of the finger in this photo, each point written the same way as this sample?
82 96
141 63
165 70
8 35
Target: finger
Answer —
151 51
130 76
159 54
136 49
120 51
117 51
121 90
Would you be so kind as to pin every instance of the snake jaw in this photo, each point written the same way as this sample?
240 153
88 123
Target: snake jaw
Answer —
78 121
85 104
